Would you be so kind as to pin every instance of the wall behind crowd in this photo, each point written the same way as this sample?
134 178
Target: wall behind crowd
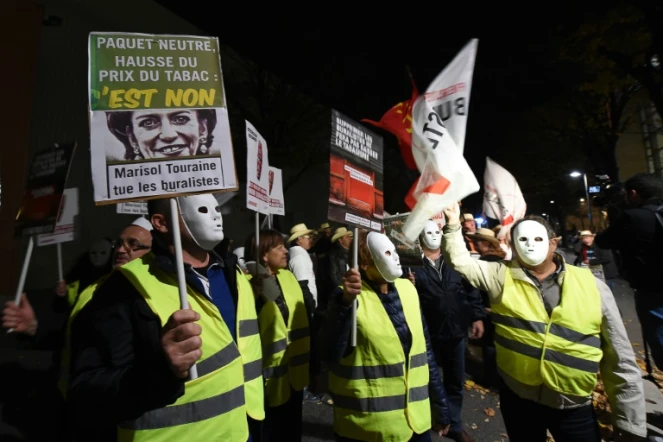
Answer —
60 114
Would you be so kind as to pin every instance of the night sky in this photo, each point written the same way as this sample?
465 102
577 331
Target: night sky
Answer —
356 61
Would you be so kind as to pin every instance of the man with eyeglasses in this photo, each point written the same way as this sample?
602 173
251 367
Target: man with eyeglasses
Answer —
134 241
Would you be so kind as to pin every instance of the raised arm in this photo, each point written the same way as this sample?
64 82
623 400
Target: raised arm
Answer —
484 275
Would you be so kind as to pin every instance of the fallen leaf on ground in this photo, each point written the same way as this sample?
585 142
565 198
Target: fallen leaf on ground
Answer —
474 426
489 412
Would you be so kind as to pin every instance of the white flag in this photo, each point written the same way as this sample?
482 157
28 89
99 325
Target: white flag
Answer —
502 198
438 151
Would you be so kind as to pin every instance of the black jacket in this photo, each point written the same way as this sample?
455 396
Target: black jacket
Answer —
602 257
638 237
119 370
336 345
450 304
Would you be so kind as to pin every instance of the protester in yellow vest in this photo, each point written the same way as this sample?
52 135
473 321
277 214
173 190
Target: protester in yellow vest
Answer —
94 264
134 241
387 388
53 335
285 336
556 325
133 346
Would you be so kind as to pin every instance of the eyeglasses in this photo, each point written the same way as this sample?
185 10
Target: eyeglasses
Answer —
130 244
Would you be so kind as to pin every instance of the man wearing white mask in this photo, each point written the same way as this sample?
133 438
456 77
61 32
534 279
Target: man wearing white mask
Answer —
556 325
388 387
241 262
133 345
451 307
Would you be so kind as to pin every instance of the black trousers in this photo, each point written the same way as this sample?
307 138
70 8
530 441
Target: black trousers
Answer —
527 421
283 423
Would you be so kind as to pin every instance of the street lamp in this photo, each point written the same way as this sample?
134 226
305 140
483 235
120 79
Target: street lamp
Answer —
576 174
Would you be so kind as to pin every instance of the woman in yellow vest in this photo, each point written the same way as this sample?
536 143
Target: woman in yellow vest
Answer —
285 336
387 388
556 325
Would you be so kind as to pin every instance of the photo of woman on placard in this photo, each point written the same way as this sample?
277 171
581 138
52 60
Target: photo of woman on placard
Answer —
170 133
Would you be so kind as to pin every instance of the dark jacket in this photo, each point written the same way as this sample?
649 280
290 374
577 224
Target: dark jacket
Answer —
638 237
330 274
338 265
450 304
336 343
602 257
118 368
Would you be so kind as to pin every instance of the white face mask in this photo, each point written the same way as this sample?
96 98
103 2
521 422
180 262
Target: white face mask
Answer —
432 237
100 253
532 242
239 253
202 218
384 255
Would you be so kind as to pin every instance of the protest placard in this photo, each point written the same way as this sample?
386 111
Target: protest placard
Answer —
276 199
257 171
355 178
409 252
43 193
158 117
64 228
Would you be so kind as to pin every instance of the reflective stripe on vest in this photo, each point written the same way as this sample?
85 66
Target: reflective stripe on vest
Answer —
72 293
378 392
561 350
65 359
213 405
285 347
248 342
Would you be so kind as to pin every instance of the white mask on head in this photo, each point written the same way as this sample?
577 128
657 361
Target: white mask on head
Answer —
531 242
239 253
431 235
100 253
202 218
384 255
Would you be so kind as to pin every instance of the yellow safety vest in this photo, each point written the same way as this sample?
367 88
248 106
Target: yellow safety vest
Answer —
72 292
380 393
248 342
65 360
561 350
212 407
285 347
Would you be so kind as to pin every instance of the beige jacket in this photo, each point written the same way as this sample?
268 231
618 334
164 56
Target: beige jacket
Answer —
621 375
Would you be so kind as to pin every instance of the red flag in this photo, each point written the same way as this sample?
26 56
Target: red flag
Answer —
398 121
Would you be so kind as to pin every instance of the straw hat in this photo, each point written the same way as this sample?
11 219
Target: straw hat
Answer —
299 230
324 226
486 235
341 231
586 233
468 217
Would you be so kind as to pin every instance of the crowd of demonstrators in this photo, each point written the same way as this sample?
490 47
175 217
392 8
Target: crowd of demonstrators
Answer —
269 328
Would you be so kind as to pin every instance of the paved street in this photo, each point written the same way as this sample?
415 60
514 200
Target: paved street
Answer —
24 411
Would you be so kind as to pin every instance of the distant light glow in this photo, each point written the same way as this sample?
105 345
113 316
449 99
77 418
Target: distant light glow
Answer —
544 214
575 174
552 202
479 221
582 200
